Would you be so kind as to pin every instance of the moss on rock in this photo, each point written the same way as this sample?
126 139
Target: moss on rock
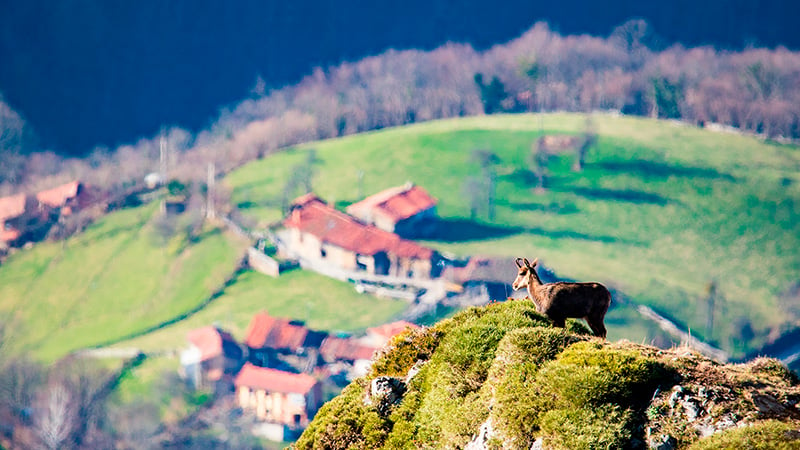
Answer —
504 369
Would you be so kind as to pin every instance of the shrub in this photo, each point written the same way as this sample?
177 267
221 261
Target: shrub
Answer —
404 350
773 368
771 434
603 427
519 356
345 423
587 373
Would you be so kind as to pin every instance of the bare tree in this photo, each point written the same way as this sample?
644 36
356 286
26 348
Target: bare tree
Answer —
538 160
487 160
56 416
583 146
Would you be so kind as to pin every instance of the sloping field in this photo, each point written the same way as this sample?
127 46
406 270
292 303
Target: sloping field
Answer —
321 302
114 280
661 210
119 279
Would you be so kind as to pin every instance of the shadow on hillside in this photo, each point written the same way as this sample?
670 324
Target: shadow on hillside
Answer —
572 234
652 169
618 195
463 230
552 207
521 177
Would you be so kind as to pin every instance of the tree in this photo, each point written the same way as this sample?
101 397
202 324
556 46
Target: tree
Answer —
492 94
487 160
711 298
538 160
300 179
584 144
474 192
56 416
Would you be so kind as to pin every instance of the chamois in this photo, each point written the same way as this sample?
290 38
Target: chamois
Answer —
559 301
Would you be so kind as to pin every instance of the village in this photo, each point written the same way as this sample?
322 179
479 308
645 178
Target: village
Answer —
281 372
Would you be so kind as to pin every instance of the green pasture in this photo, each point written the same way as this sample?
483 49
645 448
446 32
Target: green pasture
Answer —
660 211
115 280
321 302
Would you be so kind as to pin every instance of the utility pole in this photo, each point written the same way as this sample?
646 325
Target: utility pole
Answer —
210 212
711 297
162 167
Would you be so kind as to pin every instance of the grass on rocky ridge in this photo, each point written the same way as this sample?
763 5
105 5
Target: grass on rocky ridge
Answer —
505 366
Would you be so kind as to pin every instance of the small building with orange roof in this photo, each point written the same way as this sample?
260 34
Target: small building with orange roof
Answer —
267 335
69 197
322 234
408 210
277 396
11 207
213 355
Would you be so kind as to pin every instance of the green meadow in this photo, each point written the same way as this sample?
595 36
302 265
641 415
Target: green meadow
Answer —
660 211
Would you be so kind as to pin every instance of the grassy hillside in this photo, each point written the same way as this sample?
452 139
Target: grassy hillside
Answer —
660 211
323 303
119 278
502 377
116 279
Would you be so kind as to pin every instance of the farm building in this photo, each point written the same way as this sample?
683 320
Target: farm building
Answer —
277 396
11 207
269 335
212 356
29 217
408 210
322 234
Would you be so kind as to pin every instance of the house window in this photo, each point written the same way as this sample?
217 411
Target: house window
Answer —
297 419
322 252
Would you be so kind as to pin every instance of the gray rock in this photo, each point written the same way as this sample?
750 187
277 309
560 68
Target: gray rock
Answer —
677 394
663 442
385 392
538 444
481 441
692 409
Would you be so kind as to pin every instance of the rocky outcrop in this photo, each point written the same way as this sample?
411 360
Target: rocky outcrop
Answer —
502 377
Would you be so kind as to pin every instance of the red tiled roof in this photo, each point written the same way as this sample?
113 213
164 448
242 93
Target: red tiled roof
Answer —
272 380
390 330
209 341
312 215
11 206
58 196
395 203
270 332
8 234
334 348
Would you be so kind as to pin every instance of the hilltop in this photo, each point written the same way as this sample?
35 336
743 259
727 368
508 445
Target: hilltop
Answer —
500 376
661 212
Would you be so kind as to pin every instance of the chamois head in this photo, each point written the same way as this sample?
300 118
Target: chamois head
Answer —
526 272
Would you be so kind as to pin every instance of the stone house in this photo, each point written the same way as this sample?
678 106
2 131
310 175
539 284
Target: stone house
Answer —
211 360
11 208
408 211
277 396
323 235
347 358
268 336
29 217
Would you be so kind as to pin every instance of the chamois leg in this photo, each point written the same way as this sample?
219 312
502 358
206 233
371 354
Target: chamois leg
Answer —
597 327
560 323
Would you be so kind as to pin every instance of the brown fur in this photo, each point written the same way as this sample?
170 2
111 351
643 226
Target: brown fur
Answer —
559 301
